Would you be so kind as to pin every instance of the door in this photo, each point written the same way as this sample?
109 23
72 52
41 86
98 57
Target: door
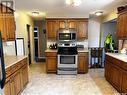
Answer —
29 47
2 66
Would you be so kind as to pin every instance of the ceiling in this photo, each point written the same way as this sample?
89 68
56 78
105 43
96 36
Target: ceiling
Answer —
58 8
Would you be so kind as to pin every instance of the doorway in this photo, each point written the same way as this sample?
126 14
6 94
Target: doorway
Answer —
29 47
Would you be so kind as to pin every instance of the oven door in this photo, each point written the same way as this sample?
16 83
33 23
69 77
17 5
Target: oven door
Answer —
67 61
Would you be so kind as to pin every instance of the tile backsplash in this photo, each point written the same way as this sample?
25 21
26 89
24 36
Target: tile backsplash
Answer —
85 43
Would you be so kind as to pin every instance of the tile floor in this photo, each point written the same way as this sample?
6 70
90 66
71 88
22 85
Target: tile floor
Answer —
92 83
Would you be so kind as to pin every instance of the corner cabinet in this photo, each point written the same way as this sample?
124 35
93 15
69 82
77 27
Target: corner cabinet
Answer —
7 25
54 24
116 73
122 24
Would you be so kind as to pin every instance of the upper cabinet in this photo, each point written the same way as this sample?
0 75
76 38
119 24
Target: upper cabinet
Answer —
7 25
51 29
82 29
80 25
122 24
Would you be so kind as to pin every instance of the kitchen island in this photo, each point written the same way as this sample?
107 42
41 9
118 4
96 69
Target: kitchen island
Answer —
16 68
51 61
116 71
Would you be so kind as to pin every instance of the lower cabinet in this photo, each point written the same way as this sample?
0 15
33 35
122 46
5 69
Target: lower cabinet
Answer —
115 74
17 81
51 62
82 62
124 82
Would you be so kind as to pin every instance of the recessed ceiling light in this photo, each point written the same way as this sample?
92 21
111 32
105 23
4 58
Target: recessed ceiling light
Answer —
35 13
99 13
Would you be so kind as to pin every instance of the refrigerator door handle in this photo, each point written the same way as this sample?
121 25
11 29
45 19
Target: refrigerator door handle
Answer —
2 66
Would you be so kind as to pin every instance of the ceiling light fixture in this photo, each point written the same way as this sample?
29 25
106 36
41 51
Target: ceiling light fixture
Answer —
99 13
73 2
35 13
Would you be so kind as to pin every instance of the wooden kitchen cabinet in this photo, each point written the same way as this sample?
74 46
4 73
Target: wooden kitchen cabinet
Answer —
7 87
24 75
124 82
121 26
17 78
51 62
51 29
82 62
122 22
7 26
68 24
54 24
116 73
82 29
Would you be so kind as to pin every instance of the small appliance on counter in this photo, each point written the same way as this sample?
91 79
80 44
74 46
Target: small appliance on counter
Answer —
53 46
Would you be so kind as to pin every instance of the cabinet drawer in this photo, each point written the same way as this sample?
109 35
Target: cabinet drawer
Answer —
82 54
8 71
15 67
51 53
24 62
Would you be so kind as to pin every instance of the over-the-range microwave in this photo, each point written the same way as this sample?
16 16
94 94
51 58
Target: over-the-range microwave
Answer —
67 35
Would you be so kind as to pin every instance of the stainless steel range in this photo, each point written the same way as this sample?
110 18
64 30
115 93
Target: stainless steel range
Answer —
67 56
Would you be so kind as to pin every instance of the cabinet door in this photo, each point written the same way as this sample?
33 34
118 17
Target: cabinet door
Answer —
51 64
83 63
107 71
3 26
72 24
121 26
82 29
124 82
10 27
7 87
62 23
24 75
116 77
17 82
52 28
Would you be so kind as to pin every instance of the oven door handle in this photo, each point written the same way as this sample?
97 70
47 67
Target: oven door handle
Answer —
66 55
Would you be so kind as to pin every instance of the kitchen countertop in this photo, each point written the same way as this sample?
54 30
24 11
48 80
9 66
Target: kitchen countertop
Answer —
119 56
55 50
11 60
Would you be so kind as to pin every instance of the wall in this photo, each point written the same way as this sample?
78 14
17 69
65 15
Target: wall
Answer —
22 19
94 27
109 27
42 37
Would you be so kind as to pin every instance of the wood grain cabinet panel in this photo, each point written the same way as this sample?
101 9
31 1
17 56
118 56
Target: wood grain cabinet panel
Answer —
116 74
17 78
80 25
124 82
121 26
82 29
51 62
51 29
7 27
82 62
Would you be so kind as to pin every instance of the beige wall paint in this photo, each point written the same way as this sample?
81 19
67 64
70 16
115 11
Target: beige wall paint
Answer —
112 15
22 19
